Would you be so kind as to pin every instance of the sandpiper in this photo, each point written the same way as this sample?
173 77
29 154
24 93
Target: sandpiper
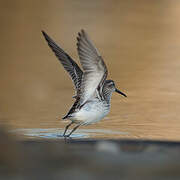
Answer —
93 91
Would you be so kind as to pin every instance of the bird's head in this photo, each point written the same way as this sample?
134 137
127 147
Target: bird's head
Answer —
110 85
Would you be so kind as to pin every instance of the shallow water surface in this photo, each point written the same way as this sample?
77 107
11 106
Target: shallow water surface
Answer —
139 41
56 133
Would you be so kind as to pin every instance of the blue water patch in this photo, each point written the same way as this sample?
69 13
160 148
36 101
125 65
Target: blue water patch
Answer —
51 133
55 133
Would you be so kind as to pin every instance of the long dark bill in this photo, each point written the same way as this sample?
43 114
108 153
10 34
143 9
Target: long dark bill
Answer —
118 91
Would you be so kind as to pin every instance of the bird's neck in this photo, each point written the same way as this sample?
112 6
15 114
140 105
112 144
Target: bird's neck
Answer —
107 95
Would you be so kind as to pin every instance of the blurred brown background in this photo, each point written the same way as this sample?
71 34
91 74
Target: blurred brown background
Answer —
138 39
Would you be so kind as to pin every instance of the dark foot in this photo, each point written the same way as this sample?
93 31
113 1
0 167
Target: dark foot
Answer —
67 136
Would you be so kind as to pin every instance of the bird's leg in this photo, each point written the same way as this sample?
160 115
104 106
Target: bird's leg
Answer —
67 128
73 130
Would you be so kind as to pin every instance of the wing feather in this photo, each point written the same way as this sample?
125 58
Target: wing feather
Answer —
68 63
95 71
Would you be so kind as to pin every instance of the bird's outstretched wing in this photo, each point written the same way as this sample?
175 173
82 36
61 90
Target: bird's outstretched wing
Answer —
68 63
95 71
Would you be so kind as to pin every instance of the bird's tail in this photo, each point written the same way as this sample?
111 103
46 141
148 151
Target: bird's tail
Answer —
66 116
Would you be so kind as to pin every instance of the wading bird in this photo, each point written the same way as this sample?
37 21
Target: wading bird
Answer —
93 91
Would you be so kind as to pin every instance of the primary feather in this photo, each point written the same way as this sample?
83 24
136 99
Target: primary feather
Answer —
68 63
95 71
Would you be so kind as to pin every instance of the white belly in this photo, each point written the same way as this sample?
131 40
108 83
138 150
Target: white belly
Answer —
91 112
